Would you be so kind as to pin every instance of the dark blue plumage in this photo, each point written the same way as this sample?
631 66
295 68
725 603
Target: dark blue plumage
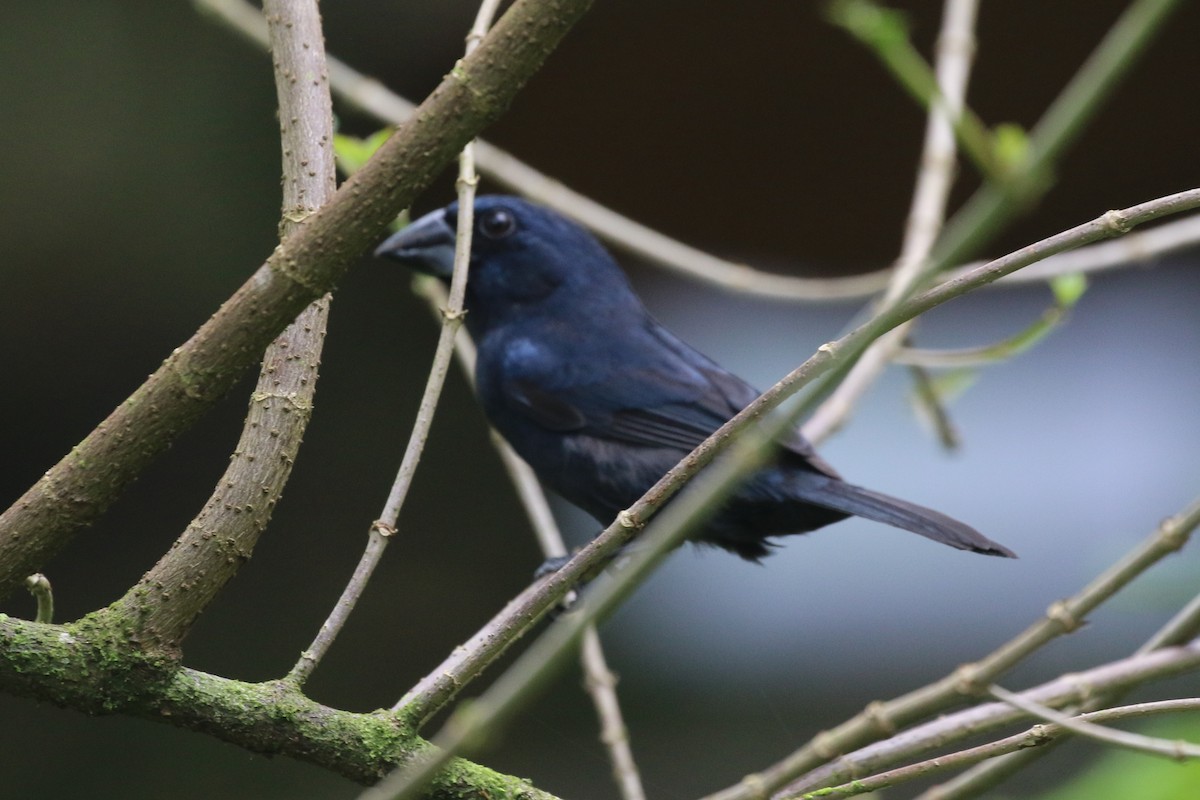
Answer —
601 399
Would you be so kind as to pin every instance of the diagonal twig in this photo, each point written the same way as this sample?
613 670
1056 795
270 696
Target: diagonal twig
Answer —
1137 742
955 51
1037 739
999 201
1062 617
1181 628
469 660
452 319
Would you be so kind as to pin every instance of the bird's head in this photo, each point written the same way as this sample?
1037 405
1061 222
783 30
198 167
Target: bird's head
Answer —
523 258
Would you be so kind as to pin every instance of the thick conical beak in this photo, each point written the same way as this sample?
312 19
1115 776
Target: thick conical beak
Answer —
426 245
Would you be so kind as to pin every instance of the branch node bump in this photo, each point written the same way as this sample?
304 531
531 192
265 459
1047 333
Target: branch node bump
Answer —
755 787
1038 735
383 529
825 745
966 680
876 711
1173 534
1060 613
298 215
1084 691
628 520
1116 222
601 680
39 586
297 402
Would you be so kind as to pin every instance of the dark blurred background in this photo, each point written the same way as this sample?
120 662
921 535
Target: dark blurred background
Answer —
141 172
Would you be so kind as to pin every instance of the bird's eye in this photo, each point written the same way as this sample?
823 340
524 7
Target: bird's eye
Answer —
497 223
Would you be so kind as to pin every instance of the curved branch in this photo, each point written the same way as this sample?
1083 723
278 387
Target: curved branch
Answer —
370 97
168 598
303 267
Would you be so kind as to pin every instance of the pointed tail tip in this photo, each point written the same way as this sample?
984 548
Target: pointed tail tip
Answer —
851 499
994 549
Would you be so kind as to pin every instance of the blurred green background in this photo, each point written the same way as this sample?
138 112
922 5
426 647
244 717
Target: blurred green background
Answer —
140 187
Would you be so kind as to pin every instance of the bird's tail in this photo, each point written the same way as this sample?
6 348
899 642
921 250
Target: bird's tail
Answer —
850 499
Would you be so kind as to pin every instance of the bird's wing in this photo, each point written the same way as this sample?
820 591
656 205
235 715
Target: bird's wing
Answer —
552 409
650 410
722 395
663 394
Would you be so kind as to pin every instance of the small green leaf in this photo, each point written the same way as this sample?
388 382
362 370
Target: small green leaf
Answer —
1010 144
1068 289
871 23
352 152
951 385
930 397
401 221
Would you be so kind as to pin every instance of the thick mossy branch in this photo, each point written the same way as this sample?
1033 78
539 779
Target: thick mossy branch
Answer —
303 267
98 668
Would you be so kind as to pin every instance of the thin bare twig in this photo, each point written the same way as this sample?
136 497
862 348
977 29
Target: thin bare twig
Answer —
1123 674
955 51
1062 617
1036 738
310 657
1182 627
1139 743
452 319
1137 249
599 681
601 685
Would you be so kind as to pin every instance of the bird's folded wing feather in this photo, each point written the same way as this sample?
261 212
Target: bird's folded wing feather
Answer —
650 406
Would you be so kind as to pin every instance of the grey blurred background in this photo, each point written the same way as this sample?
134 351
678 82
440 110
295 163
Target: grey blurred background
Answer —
140 187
